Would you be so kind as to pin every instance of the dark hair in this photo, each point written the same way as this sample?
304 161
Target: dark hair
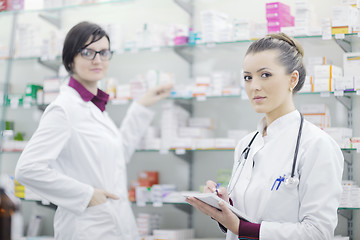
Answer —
290 53
76 39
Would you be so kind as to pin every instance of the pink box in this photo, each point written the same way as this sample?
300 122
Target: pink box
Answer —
180 40
278 17
17 4
277 7
275 29
279 24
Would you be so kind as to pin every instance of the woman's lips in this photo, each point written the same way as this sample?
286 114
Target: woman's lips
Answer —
97 70
258 99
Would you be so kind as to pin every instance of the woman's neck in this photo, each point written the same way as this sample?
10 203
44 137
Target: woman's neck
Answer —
277 113
89 85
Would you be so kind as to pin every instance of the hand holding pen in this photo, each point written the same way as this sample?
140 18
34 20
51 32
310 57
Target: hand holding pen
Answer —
212 187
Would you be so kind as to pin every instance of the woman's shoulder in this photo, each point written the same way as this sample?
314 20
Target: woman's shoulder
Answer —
67 100
313 135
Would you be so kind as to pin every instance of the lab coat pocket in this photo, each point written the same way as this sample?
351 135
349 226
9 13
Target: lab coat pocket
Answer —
283 202
96 222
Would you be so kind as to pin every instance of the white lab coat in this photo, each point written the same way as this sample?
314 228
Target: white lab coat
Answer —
308 211
75 149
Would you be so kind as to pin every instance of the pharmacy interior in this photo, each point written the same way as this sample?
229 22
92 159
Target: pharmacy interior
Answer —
199 45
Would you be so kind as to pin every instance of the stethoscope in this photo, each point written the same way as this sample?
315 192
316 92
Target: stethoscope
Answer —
290 182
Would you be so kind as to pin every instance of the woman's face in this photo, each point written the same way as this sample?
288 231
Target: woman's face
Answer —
267 83
90 71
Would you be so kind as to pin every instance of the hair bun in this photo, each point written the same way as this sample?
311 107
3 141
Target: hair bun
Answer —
289 40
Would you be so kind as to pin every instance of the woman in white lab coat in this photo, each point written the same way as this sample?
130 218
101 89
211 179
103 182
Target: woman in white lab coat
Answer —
76 158
281 207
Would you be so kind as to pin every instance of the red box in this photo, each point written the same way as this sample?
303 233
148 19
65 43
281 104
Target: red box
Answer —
3 5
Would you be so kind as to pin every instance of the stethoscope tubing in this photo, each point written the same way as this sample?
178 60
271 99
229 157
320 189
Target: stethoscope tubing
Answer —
246 151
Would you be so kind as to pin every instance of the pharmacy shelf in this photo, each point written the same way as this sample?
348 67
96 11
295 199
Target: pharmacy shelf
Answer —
93 4
348 208
55 61
198 98
175 150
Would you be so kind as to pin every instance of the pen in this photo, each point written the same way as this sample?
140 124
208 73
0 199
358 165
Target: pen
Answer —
217 187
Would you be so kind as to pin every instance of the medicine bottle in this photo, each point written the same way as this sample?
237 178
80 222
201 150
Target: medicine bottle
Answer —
7 208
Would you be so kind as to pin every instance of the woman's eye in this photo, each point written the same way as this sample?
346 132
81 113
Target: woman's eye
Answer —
86 52
247 78
265 75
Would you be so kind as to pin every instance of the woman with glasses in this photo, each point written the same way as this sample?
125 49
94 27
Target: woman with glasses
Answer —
286 177
76 158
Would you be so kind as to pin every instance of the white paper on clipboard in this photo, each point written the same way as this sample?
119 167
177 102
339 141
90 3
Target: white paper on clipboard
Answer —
213 200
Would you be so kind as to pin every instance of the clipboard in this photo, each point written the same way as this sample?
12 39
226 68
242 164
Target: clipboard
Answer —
213 200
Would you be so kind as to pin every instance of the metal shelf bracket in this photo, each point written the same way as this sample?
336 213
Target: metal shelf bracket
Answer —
53 64
346 101
183 51
53 17
344 44
186 5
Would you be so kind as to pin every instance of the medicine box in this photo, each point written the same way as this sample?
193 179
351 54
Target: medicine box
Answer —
3 5
277 7
352 64
327 71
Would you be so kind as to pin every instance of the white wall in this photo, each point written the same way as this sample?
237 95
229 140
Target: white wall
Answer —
227 113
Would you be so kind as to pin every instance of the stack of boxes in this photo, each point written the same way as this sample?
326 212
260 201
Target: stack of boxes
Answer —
318 114
344 19
304 19
325 77
176 234
350 196
278 15
172 118
215 26
351 71
147 223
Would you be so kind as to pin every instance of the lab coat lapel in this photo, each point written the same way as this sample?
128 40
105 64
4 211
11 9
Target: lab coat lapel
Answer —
102 118
248 167
281 164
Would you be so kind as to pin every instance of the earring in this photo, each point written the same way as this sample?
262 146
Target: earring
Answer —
290 89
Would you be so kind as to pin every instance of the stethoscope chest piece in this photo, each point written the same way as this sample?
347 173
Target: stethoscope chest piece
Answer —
291 182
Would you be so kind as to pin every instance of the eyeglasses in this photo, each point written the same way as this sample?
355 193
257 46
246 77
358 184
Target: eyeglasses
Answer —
90 54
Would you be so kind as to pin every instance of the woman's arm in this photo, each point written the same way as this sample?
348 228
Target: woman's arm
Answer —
139 117
33 168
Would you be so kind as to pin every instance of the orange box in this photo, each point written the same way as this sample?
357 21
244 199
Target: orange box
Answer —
148 178
131 194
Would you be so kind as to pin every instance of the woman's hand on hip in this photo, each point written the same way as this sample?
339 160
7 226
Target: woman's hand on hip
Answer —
100 196
156 94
